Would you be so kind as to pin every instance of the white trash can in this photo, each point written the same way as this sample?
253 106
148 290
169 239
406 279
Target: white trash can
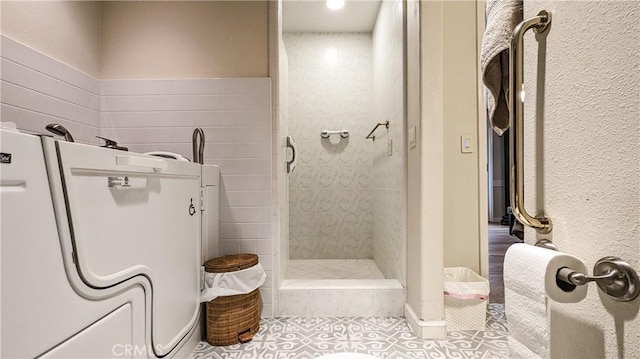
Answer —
466 296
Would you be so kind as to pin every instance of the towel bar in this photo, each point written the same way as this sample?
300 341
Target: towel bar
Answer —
540 24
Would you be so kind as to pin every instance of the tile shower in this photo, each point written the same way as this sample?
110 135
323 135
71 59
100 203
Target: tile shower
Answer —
330 189
346 197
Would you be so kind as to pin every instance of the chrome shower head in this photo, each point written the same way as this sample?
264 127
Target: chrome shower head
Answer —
60 131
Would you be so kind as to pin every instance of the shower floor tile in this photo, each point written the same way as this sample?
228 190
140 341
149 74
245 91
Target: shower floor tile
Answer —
333 269
383 337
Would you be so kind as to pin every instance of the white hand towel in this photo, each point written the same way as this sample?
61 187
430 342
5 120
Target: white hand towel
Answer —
502 17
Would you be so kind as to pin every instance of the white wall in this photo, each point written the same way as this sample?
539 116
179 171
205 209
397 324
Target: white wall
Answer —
461 190
425 186
330 189
582 146
388 205
443 183
68 31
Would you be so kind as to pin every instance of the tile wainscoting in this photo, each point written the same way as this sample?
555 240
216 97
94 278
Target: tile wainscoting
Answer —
160 115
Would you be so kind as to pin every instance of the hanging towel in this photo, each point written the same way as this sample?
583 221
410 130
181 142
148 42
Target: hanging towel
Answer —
502 17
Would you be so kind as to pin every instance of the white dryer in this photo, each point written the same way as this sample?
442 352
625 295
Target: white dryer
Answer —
101 250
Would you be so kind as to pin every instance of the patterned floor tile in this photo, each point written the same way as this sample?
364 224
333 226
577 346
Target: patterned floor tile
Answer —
383 337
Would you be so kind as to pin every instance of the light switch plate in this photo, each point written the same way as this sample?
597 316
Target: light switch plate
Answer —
466 146
412 137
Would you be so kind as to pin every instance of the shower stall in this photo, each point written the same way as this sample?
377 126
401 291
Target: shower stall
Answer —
343 204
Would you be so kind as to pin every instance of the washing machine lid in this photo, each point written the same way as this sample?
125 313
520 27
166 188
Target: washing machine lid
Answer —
134 218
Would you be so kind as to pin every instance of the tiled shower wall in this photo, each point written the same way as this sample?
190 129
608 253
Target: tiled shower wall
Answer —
388 179
160 115
330 88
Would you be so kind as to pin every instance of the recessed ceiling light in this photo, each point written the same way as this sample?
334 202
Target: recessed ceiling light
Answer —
331 55
335 4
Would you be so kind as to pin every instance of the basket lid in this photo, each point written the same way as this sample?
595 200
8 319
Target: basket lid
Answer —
231 263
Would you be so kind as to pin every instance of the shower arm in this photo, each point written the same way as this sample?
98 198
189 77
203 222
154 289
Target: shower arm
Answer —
371 135
198 145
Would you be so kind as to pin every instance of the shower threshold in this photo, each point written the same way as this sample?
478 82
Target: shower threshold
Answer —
333 269
338 288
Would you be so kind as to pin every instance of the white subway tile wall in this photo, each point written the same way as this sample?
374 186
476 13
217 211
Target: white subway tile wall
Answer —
330 88
160 115
38 90
235 115
388 175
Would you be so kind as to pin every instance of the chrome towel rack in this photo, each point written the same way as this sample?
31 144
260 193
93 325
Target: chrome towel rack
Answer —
371 135
539 24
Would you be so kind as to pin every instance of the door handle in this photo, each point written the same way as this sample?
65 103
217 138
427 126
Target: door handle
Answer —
157 164
291 165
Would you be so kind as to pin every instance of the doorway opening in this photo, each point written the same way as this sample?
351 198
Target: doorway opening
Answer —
503 229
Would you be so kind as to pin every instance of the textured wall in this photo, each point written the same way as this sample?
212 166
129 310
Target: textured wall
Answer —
330 88
146 39
461 189
582 159
68 31
184 39
388 179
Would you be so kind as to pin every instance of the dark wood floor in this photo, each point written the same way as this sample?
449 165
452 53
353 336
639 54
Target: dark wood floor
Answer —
499 241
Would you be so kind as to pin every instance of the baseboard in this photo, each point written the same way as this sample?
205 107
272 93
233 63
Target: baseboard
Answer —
436 329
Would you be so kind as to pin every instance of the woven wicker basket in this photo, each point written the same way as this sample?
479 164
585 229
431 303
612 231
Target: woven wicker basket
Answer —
232 319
